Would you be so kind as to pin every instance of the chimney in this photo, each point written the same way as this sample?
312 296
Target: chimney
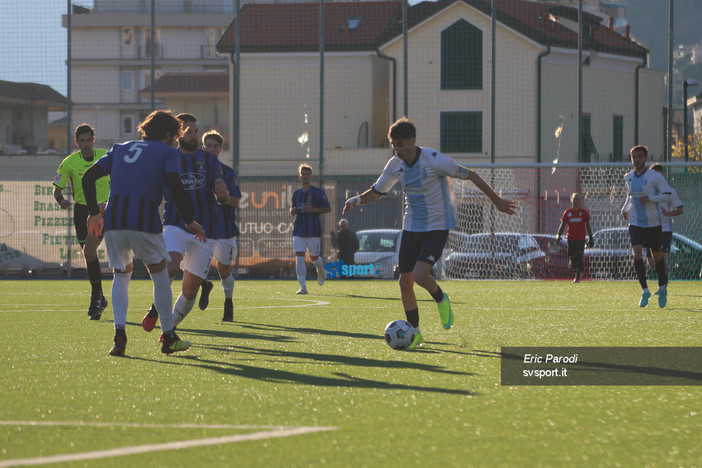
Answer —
611 23
628 31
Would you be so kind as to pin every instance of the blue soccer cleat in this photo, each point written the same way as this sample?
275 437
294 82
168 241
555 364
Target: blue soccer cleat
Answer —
645 296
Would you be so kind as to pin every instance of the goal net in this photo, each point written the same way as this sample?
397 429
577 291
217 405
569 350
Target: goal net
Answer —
488 244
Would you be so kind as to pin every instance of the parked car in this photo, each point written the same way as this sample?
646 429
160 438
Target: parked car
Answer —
379 246
557 260
611 256
502 255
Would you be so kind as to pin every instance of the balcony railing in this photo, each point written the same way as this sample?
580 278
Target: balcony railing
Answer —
145 51
209 52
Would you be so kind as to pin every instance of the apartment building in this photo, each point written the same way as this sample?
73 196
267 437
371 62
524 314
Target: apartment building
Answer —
111 61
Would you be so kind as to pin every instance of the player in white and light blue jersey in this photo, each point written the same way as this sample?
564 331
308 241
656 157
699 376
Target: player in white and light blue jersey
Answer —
429 201
646 189
668 210
430 211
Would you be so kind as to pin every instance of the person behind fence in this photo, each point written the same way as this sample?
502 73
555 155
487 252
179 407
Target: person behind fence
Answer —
308 202
645 190
668 211
72 169
347 242
430 211
225 249
201 175
577 220
141 171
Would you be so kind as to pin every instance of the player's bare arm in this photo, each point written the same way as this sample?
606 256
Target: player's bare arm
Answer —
58 196
369 196
95 224
676 212
505 206
221 192
196 229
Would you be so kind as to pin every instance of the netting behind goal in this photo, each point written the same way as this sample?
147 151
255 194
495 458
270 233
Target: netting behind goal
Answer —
489 244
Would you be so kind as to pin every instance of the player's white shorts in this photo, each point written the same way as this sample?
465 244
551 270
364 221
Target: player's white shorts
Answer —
225 250
122 245
313 244
196 255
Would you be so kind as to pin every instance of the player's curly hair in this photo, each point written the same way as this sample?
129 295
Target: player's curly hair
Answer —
158 124
402 129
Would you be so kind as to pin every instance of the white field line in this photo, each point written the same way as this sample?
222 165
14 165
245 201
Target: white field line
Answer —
270 433
44 308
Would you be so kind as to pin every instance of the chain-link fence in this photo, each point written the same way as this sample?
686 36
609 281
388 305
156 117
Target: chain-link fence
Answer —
485 81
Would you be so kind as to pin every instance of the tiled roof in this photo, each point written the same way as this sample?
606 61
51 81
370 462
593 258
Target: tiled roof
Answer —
294 27
274 27
31 93
190 83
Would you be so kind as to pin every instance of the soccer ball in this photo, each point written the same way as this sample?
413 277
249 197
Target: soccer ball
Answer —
399 334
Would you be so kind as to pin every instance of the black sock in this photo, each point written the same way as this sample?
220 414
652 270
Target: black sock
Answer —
153 312
640 268
95 276
413 317
662 273
438 295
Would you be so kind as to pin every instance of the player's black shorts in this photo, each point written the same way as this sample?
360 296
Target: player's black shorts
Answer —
666 239
421 246
651 237
80 221
576 247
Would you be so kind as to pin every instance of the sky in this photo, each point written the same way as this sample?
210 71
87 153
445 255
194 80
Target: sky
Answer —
34 42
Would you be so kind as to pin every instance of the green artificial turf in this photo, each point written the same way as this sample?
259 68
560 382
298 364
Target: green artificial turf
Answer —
246 392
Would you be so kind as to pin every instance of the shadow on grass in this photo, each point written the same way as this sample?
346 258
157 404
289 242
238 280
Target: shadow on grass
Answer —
337 379
337 359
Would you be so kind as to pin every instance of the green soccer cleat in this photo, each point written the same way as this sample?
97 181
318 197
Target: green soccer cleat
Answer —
445 312
418 339
645 296
662 297
173 344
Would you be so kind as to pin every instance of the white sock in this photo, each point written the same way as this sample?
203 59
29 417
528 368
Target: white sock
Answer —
301 270
182 308
120 298
228 286
163 299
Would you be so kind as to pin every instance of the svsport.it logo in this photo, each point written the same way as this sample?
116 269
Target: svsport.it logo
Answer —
340 269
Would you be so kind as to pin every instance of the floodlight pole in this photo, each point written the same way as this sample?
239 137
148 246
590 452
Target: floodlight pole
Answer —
69 134
671 29
152 41
321 93
581 154
405 19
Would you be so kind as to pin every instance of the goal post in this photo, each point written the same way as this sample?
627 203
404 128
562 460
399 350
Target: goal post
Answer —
490 244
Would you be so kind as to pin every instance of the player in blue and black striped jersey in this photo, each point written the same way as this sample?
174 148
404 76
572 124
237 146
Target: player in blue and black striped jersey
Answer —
225 249
140 171
201 175
308 202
